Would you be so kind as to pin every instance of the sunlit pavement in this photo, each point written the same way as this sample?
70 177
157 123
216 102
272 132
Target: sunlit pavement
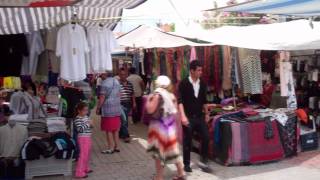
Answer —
133 163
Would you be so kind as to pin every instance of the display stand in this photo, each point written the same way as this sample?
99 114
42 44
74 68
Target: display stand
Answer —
48 166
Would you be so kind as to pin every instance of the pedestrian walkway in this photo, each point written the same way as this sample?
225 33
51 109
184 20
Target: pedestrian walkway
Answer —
133 163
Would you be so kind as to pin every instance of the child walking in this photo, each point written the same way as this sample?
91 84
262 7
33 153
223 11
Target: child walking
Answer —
83 127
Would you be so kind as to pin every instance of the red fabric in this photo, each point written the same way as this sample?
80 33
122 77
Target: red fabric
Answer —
217 66
267 94
260 148
1 81
110 124
51 3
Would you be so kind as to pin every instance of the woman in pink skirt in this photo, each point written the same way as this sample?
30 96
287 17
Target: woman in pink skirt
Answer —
109 109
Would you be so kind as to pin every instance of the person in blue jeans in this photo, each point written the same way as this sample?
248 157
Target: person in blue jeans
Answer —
127 103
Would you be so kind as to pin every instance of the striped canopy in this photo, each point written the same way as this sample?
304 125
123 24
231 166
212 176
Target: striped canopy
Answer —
14 20
278 7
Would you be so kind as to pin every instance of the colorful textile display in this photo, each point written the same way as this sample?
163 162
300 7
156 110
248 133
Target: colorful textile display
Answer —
250 66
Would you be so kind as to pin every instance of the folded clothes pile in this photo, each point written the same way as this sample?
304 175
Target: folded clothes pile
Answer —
56 124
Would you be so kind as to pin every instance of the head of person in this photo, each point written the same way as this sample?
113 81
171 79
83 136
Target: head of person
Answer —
195 69
132 70
30 88
82 109
106 74
163 82
123 74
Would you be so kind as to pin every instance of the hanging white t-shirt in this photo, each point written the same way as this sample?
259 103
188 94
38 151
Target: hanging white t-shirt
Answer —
35 45
102 42
72 46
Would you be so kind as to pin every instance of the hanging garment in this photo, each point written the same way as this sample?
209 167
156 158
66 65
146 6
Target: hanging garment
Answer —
286 80
235 64
268 62
193 54
174 67
136 61
36 47
227 66
163 65
102 42
206 65
250 65
218 61
184 64
72 46
141 60
169 62
12 49
51 42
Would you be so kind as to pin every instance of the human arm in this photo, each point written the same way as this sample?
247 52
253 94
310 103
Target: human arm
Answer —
81 126
101 99
152 103
134 104
184 119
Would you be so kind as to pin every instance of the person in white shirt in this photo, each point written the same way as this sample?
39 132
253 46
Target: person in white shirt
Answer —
138 87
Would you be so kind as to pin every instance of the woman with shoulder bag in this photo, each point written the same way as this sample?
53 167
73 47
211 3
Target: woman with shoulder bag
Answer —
163 142
109 109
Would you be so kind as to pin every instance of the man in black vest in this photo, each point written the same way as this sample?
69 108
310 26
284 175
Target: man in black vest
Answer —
194 116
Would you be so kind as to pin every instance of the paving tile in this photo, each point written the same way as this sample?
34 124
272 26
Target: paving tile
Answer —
133 163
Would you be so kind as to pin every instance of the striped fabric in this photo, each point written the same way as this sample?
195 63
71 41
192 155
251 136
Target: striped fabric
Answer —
22 20
280 7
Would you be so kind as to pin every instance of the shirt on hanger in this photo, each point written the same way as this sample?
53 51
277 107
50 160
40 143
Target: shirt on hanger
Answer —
35 45
102 42
72 46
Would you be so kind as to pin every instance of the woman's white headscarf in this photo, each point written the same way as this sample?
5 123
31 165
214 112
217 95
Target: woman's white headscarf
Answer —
162 83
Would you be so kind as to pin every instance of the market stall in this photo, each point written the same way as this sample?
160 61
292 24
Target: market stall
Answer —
45 50
254 78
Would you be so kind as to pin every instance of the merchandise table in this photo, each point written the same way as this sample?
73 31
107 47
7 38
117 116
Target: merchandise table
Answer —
244 142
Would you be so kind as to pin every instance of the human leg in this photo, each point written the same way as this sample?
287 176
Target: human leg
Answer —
89 145
115 139
83 159
187 145
124 133
159 170
180 170
203 131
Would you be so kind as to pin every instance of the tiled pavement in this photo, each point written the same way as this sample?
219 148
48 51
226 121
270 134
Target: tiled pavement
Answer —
132 163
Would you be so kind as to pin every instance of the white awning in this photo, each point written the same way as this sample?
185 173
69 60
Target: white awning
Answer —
150 37
294 35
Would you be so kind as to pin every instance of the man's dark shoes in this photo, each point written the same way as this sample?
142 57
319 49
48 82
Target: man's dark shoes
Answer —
187 169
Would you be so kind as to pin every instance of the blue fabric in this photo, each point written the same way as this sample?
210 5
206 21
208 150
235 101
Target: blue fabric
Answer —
53 79
217 130
280 7
124 133
136 62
